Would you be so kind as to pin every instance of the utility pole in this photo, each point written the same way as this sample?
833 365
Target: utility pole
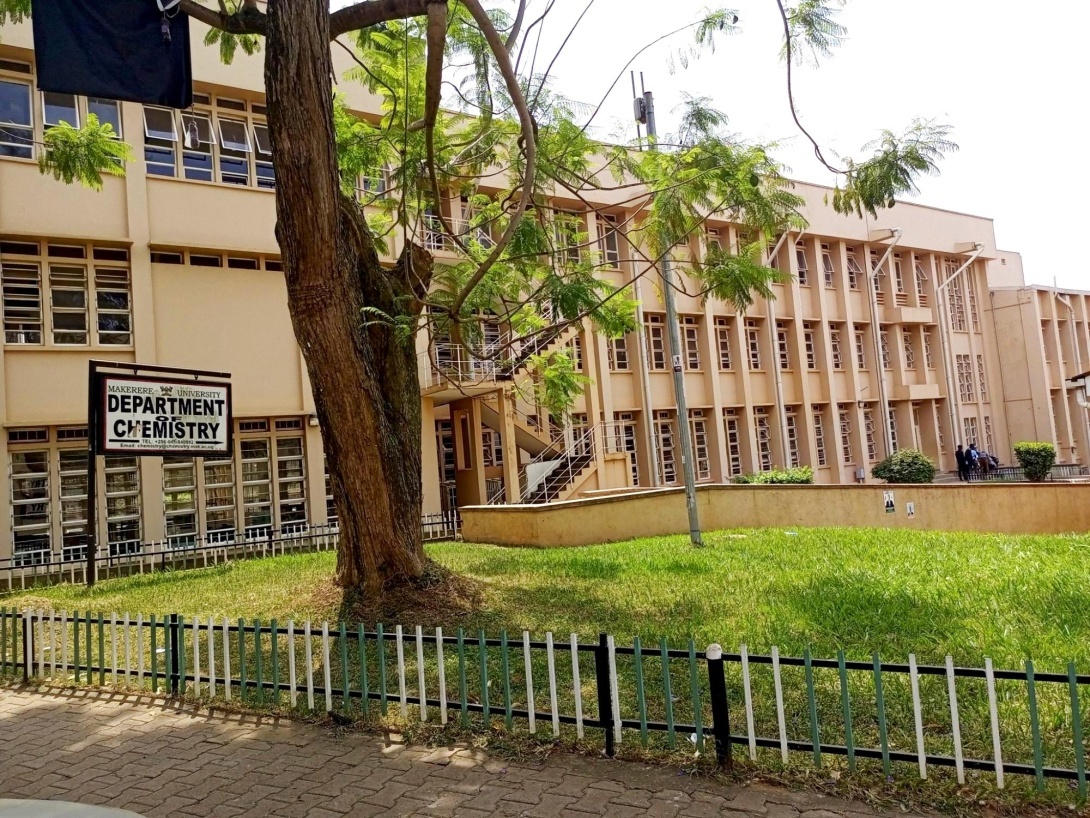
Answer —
645 115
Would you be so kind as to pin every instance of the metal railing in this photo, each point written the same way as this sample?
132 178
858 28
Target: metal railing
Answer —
453 364
562 463
436 238
1016 474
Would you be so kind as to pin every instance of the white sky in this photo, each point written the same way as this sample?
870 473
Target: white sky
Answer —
1009 76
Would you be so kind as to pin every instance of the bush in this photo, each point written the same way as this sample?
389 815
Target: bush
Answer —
778 477
906 466
1036 459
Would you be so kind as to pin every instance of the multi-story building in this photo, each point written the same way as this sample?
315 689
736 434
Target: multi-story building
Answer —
176 264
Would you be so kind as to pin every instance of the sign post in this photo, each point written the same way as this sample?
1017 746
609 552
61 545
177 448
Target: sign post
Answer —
144 411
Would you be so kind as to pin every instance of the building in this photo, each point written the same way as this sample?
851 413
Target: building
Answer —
176 264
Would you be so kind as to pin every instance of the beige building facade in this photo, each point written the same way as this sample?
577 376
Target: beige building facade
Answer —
885 337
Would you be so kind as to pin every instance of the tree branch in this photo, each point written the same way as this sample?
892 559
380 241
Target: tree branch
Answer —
373 12
248 20
513 34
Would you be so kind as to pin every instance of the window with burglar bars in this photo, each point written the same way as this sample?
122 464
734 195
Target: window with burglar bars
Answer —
846 435
722 337
617 351
819 436
791 420
656 342
971 433
87 298
763 432
965 378
690 336
939 432
626 425
123 527
982 386
929 359
921 287
970 288
860 348
907 347
957 300
810 341
868 426
180 500
753 340
734 442
664 428
884 341
893 428
834 347
781 343
988 441
699 429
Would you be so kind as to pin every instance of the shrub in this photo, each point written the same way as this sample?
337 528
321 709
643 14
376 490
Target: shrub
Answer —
1036 459
778 477
906 466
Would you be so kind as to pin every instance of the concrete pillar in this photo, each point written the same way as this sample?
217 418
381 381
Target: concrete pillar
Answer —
429 459
511 484
468 444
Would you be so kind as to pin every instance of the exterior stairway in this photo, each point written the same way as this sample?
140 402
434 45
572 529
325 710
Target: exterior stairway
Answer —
567 472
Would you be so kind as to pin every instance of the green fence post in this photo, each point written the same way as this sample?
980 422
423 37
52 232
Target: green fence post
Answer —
815 732
880 705
257 663
462 685
1035 727
640 699
1076 728
75 645
846 706
154 656
242 659
670 737
274 630
361 635
698 707
179 634
381 649
346 698
508 721
483 652
4 639
101 653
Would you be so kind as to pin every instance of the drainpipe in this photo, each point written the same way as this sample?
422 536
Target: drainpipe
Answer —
781 410
1081 395
645 383
947 353
876 331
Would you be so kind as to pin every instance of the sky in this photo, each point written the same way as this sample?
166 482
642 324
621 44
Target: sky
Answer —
1007 76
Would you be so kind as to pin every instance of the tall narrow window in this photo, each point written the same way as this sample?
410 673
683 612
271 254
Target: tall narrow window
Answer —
665 429
122 504
846 434
909 351
714 239
330 501
691 337
893 428
722 338
73 503
656 342
180 500
792 422
618 353
971 289
834 347
256 487
608 245
291 482
921 277
68 303
197 142
263 166
970 431
868 426
575 352
764 438
32 538
965 378
160 141
929 360
898 275
734 442
957 300
22 303
988 441
567 228
884 340
860 348
982 386
810 340
626 428
803 264
112 299
827 266
781 343
235 152
16 120
753 340
698 428
854 272
219 498
819 437
938 431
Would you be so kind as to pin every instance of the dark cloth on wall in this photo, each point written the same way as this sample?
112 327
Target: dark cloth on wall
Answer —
113 49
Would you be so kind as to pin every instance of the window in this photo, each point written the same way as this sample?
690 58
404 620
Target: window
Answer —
868 427
845 434
906 346
575 353
617 348
73 500
957 301
160 138
792 423
860 348
242 263
197 139
921 277
753 341
971 288
263 166
22 303
122 504
781 343
764 438
30 507
16 122
722 338
235 151
698 428
811 345
567 227
219 498
827 266
965 378
664 427
980 377
58 108
854 271
819 437
607 240
492 448
878 274
214 147
68 304
734 442
803 265
883 337
691 336
291 482
834 347
580 425
938 431
898 275
928 358
180 500
656 341
988 441
714 241
626 428
256 486
106 111
970 431
330 500
112 299
893 428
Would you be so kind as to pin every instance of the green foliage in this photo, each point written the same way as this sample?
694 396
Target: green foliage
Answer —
800 475
1036 459
906 466
558 383
897 163
84 154
230 43
814 23
14 11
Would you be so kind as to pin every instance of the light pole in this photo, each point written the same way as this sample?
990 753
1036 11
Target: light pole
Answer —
645 115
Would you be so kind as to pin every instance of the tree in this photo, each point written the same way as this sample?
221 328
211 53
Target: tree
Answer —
1036 459
355 318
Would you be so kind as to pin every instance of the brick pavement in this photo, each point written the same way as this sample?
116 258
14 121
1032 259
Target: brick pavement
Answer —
157 760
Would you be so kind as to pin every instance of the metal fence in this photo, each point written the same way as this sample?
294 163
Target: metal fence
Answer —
904 719
1016 474
30 568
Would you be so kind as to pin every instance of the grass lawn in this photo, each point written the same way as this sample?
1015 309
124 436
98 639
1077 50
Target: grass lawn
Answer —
891 591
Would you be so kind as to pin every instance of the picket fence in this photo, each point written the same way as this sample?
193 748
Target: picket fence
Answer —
628 692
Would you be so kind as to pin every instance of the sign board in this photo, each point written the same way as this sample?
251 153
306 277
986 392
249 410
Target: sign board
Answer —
887 497
148 415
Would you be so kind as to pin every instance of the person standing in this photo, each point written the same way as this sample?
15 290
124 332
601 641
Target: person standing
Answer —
963 464
972 457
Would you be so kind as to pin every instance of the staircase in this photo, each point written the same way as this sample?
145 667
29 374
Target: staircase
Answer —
568 469
563 472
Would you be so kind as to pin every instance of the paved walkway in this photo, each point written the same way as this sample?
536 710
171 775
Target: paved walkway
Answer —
141 755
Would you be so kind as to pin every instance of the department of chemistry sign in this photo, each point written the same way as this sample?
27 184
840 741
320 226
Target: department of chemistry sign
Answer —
142 415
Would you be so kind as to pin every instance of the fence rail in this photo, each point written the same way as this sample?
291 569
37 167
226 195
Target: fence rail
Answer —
907 717
1016 474
30 568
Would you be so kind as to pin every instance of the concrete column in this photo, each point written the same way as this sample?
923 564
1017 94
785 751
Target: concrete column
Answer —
468 444
511 484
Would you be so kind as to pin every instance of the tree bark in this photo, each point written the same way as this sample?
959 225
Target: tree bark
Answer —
363 376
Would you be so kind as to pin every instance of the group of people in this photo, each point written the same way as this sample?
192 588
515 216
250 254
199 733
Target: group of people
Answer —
974 460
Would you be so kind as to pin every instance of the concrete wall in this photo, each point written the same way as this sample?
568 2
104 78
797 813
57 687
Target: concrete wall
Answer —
1051 508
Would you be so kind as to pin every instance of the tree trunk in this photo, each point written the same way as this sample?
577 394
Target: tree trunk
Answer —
363 377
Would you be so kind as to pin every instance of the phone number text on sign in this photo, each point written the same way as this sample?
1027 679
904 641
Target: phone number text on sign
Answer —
165 416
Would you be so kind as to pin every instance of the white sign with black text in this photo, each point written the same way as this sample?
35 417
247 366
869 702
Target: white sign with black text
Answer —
164 416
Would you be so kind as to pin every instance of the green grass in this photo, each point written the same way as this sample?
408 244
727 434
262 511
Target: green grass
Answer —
863 591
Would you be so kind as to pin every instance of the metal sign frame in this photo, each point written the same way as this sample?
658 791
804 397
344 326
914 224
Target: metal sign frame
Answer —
97 374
